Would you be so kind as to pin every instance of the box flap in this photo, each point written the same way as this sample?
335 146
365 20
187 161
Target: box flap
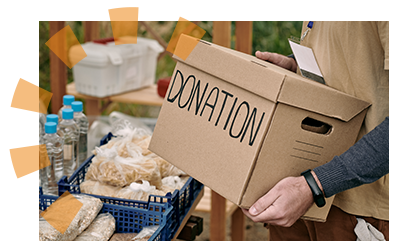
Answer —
238 68
270 81
310 95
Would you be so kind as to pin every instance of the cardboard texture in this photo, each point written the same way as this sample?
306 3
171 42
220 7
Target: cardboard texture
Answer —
239 124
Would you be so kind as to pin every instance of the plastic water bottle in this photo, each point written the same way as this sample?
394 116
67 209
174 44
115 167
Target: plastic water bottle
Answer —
67 100
42 121
50 175
69 131
54 118
83 124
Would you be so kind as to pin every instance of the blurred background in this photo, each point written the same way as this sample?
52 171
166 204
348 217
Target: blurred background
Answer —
267 36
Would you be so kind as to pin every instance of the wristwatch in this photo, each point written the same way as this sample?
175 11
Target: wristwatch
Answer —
316 191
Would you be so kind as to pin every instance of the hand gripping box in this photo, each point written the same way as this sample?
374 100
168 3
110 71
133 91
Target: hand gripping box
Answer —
239 124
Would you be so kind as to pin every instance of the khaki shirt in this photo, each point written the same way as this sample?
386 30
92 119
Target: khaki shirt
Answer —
354 58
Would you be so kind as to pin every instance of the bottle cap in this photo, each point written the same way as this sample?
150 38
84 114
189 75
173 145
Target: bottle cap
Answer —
50 127
52 118
67 114
68 99
77 106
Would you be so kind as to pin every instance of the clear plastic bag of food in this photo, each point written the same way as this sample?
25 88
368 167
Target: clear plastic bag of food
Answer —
170 183
139 191
98 188
101 229
146 233
86 214
112 169
104 169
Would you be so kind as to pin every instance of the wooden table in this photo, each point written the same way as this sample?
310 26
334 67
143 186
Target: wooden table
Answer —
144 96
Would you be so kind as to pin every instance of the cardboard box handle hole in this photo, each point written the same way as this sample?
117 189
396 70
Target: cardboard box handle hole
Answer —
315 126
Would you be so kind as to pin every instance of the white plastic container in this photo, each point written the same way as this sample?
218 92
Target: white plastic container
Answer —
110 69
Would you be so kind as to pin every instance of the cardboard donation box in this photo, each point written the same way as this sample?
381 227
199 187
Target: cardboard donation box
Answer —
239 124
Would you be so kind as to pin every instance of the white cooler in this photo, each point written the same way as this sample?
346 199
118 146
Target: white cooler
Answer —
111 69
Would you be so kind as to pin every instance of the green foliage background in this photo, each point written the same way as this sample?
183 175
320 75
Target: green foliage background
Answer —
267 36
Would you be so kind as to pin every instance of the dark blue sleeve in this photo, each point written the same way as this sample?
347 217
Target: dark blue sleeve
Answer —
364 162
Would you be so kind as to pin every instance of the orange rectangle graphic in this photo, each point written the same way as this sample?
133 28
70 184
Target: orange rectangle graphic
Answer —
188 28
61 213
124 24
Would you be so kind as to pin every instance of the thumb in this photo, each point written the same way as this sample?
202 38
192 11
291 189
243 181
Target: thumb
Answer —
264 202
254 211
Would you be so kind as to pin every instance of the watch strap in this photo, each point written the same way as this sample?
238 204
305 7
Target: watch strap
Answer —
316 191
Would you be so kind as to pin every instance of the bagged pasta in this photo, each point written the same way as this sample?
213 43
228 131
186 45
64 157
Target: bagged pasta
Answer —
170 183
101 229
123 236
166 168
98 188
124 162
146 233
143 142
139 191
109 168
86 214
123 147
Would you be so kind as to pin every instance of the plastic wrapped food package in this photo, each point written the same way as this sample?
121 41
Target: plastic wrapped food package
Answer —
123 236
86 214
135 191
146 233
101 229
118 171
139 191
143 143
166 168
170 183
125 162
98 188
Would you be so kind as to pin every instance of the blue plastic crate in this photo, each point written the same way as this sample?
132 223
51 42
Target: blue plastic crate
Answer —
130 219
180 200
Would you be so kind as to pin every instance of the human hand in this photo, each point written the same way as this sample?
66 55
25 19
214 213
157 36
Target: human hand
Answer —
278 59
284 204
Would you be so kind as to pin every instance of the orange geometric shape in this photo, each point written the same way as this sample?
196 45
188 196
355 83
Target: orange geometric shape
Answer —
44 100
27 160
124 24
61 213
124 14
27 96
181 18
188 28
61 42
44 159
23 97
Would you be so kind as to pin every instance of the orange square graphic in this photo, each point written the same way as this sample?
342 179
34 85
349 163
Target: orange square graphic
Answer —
61 43
188 28
124 24
123 32
24 96
44 100
61 213
27 160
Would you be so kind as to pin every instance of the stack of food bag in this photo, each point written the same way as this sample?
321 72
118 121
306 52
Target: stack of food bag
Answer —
125 168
